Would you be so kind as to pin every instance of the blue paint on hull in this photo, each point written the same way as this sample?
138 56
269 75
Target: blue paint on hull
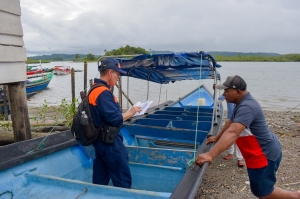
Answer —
159 146
38 87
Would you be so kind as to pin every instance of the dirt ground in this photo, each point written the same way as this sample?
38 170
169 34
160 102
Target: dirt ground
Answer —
225 180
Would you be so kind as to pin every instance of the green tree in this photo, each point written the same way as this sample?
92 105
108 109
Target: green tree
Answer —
77 57
127 50
90 57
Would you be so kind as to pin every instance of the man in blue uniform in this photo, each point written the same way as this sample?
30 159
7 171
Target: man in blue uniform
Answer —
111 160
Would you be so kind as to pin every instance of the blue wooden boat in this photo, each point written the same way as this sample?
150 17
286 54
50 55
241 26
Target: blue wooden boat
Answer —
38 82
161 145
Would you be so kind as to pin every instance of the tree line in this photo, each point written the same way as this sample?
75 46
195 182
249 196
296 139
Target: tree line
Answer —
130 50
280 58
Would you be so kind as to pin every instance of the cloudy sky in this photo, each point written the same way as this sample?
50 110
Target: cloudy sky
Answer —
90 26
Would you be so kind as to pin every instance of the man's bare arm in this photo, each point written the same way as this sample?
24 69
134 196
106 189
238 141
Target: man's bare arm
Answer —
225 127
227 138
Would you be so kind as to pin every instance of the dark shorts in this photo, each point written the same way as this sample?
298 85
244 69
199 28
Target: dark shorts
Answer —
262 180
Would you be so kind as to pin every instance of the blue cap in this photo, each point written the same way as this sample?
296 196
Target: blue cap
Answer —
111 63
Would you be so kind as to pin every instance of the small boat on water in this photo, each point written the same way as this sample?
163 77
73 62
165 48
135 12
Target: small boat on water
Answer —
38 82
34 70
62 70
162 143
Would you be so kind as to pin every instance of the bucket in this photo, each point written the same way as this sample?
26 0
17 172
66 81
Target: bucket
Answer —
201 101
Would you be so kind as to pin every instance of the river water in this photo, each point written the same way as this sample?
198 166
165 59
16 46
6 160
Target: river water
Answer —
275 85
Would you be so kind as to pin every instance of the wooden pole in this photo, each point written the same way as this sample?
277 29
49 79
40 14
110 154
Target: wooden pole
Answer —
19 111
5 102
120 93
73 87
85 78
125 95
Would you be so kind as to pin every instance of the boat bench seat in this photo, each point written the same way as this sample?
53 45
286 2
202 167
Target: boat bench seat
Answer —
129 131
185 113
189 109
183 124
180 117
157 142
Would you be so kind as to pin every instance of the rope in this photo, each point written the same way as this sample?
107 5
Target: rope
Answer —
196 135
7 192
292 108
42 144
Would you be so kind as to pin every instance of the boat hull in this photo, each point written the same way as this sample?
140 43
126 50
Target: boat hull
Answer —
62 70
40 84
159 152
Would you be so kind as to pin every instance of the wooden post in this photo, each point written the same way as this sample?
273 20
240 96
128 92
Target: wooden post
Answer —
120 92
85 78
19 111
126 96
73 87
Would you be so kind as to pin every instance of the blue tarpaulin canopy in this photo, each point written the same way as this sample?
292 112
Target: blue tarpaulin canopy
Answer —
171 67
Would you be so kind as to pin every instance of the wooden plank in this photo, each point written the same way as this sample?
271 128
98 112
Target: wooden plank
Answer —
11 40
12 54
10 24
12 72
11 6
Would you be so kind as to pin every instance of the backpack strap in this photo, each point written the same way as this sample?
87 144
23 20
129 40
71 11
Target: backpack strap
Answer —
82 93
95 86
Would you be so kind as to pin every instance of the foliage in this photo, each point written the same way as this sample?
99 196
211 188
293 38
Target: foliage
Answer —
77 56
64 112
59 57
43 111
68 110
33 61
235 54
127 50
240 58
89 57
6 125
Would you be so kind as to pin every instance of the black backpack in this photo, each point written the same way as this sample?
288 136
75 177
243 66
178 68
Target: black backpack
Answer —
85 134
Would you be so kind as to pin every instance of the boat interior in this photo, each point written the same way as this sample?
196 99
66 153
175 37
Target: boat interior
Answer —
160 144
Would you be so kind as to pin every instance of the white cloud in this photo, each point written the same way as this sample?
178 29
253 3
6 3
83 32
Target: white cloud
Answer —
84 26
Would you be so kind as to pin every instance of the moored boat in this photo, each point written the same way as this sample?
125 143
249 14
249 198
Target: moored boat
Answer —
38 82
34 70
62 70
161 143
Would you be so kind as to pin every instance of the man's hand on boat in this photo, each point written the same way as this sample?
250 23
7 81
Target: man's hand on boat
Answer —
204 157
211 139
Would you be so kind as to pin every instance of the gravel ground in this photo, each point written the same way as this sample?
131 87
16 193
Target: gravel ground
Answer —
224 179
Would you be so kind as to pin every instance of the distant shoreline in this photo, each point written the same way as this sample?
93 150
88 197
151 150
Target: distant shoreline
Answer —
219 56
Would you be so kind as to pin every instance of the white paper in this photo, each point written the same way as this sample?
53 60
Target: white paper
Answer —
144 106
